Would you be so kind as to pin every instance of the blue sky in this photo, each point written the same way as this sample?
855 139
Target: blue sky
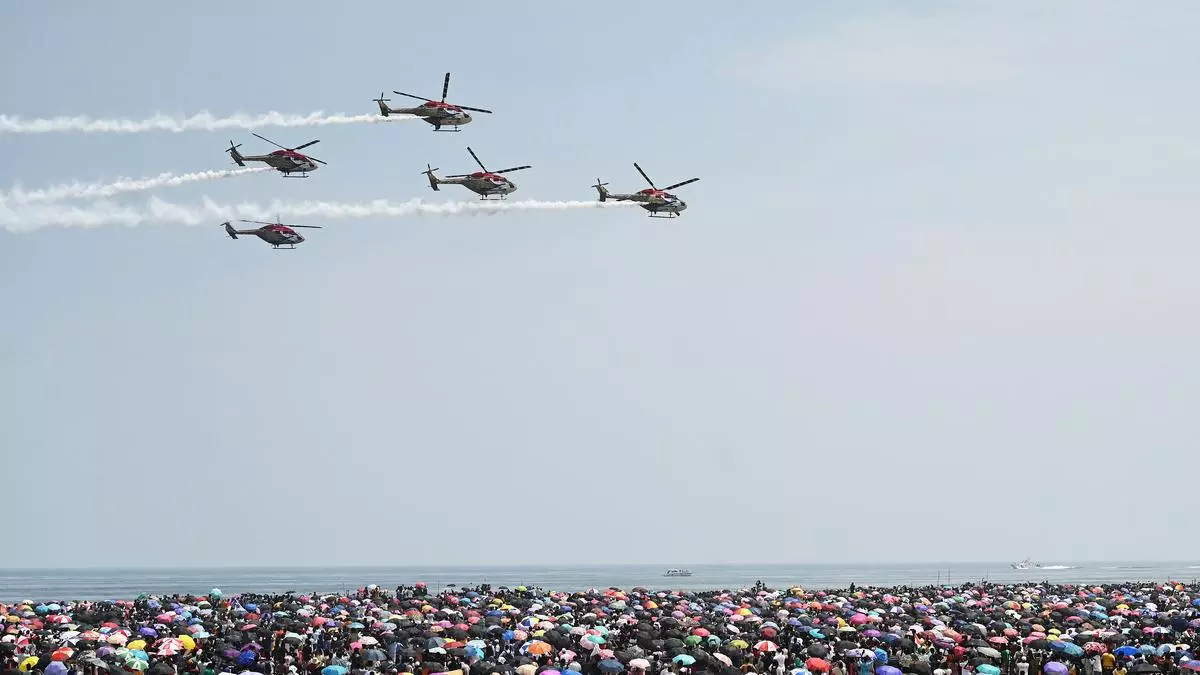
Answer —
936 281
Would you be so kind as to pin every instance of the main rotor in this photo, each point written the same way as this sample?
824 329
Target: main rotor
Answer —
295 149
669 187
445 91
485 169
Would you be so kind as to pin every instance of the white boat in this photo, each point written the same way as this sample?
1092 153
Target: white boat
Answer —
1026 564
677 573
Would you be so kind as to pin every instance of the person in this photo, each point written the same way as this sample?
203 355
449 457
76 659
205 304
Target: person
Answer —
866 666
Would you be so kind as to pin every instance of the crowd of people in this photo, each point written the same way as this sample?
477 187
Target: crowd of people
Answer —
977 629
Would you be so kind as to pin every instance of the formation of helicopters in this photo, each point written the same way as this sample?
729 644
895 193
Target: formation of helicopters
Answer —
486 183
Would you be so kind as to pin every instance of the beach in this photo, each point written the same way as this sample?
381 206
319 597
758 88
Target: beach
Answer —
970 628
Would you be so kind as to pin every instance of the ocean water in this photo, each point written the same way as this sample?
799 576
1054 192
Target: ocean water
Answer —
108 584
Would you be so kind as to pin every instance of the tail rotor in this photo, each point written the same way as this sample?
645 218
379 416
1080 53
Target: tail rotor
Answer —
237 156
600 188
383 109
229 230
433 180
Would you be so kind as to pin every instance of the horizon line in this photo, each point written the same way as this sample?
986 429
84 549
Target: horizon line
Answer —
551 565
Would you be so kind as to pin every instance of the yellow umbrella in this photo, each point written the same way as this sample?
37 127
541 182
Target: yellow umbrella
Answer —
136 644
28 664
189 643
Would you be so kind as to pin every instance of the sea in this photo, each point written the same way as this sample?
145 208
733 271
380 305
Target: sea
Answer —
44 585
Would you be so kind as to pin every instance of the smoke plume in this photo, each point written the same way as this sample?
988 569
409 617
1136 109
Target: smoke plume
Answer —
203 121
29 217
20 196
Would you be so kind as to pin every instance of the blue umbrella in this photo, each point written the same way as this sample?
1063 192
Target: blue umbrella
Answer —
611 666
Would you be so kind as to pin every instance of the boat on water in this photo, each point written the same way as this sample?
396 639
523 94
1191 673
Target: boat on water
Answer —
1026 564
677 573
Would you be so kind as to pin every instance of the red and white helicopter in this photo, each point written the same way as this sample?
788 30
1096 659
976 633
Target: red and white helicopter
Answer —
276 234
437 113
652 199
284 160
483 183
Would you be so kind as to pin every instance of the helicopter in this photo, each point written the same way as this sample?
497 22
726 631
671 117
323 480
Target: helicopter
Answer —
652 199
285 160
437 113
484 183
276 234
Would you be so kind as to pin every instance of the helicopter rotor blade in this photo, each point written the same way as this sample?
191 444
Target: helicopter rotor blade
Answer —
445 87
476 158
467 107
635 165
690 180
319 161
257 222
311 227
269 141
419 98
515 168
381 99
306 144
459 175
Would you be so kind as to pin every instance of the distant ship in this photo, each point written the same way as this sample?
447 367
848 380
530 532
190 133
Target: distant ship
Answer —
1026 564
677 573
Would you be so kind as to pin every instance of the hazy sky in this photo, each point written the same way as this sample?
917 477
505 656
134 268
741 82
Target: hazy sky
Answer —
934 298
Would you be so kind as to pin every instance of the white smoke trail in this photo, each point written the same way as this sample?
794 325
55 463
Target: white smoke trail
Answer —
27 218
203 121
18 195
